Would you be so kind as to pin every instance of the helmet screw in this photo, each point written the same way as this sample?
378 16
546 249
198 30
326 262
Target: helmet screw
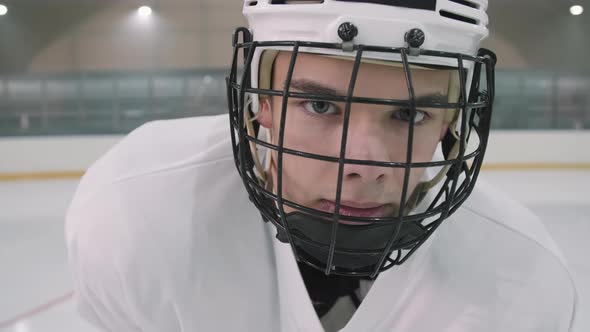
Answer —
347 31
415 38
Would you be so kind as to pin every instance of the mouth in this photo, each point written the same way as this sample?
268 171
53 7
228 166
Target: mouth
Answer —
354 209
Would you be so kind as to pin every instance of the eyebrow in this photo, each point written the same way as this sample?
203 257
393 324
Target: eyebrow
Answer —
315 88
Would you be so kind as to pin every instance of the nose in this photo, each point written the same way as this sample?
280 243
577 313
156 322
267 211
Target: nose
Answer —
364 173
366 142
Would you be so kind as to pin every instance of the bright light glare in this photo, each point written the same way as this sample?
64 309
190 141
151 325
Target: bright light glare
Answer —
576 10
144 11
3 10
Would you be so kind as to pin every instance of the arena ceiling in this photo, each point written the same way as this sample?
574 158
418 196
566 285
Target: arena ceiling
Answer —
31 25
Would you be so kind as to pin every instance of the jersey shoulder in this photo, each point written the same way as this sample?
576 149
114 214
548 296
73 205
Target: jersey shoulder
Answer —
148 220
163 145
500 209
157 148
505 246
159 178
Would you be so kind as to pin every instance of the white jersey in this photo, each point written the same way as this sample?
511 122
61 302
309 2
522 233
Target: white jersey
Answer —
162 238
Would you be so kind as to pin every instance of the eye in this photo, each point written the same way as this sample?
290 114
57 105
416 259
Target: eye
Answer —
320 107
403 114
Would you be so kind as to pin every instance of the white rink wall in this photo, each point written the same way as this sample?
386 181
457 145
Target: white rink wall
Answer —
47 155
538 147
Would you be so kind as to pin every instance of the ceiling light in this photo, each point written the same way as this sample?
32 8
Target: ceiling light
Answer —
3 10
576 10
144 11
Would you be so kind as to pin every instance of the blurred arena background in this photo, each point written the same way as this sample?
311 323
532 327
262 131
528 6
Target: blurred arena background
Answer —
77 75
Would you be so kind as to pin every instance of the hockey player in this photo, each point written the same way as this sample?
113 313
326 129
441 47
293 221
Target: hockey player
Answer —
343 197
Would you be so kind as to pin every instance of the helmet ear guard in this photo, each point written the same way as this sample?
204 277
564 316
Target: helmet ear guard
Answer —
317 237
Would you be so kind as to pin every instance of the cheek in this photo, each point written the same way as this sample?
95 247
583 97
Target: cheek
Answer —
307 133
426 139
304 179
424 149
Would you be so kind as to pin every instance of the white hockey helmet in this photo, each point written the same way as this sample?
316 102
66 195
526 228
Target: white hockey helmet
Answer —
455 26
424 33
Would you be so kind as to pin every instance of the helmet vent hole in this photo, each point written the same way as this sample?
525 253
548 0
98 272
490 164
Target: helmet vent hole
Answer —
458 17
295 2
252 3
466 3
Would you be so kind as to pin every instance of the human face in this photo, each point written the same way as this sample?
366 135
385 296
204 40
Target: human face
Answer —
375 132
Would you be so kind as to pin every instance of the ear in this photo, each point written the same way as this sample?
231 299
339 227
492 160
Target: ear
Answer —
265 115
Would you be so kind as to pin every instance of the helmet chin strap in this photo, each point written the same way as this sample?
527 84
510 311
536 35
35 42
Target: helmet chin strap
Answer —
357 246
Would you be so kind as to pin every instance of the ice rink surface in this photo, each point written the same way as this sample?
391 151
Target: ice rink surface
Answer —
35 286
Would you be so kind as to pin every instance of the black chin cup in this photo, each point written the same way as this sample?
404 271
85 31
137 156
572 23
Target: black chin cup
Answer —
358 247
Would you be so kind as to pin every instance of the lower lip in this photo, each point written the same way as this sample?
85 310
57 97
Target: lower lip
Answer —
328 206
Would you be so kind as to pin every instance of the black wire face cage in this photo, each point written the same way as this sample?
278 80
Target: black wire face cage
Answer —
343 244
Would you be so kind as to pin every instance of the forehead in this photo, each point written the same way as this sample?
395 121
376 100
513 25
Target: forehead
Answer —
374 79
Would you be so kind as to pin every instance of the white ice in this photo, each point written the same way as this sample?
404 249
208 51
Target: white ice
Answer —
33 256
